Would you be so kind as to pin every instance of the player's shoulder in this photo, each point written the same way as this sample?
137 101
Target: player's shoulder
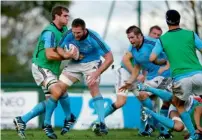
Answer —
68 33
47 33
93 33
149 41
130 47
186 30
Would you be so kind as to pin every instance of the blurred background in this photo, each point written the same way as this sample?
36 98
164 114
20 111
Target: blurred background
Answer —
22 22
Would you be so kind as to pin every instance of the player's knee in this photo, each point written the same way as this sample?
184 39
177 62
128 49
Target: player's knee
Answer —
94 89
56 91
63 86
93 86
142 96
178 126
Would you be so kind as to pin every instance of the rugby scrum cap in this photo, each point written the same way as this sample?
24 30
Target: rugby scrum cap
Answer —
172 17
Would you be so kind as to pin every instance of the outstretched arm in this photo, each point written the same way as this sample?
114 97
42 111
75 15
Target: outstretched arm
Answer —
51 54
107 62
133 77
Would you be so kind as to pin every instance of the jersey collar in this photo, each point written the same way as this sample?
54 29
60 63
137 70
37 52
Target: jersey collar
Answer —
61 30
84 37
141 44
174 30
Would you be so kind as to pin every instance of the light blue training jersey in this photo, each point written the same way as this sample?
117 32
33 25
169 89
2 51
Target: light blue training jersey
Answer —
49 39
141 58
92 47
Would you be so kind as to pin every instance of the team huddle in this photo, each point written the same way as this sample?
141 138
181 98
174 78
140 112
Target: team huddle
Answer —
155 66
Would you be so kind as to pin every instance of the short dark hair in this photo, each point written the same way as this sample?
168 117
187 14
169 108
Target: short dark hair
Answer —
172 17
79 22
155 27
136 30
57 10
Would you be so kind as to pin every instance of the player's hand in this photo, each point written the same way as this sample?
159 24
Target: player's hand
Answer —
74 53
161 70
81 56
68 55
143 95
141 78
126 86
92 78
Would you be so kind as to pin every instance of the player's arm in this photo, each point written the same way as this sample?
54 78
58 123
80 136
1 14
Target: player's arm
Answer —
60 49
156 51
133 77
164 68
134 74
127 61
49 45
104 50
160 61
64 54
107 62
198 42
52 54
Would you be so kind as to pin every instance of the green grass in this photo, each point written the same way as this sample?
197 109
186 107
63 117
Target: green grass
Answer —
120 134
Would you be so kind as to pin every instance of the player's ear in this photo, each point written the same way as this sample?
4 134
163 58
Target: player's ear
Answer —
139 36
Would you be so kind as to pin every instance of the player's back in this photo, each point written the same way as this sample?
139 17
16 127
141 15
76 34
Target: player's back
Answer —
180 49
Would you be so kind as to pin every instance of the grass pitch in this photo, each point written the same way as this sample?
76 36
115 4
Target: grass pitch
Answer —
114 134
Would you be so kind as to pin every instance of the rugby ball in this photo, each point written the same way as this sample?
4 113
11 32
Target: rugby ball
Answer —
73 48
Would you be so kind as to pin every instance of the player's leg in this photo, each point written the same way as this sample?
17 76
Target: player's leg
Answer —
161 82
99 107
121 76
182 89
173 123
121 100
164 109
50 105
163 94
40 75
148 100
174 115
146 125
87 69
178 125
38 109
67 78
197 118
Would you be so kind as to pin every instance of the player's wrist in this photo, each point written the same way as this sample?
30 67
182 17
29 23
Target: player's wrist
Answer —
66 55
98 72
